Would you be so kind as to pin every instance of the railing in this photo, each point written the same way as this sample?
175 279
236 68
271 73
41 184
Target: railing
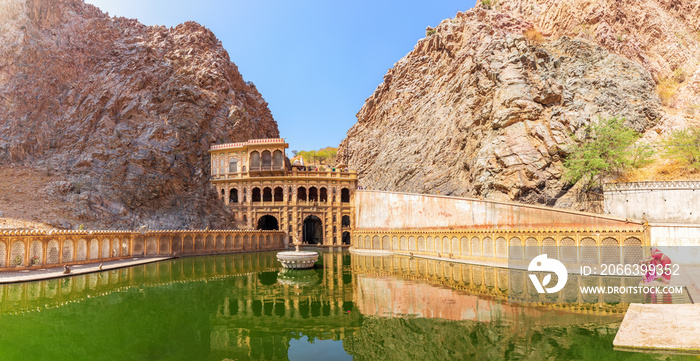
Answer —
35 249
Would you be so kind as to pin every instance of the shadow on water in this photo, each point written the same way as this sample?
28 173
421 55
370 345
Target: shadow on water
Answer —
244 306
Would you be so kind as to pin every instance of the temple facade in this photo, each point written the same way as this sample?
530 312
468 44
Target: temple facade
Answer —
265 191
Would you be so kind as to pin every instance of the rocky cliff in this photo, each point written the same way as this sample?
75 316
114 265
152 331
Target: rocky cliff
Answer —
661 35
118 116
486 106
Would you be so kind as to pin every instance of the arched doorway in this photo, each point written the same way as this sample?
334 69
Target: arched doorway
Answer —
233 196
268 223
345 221
313 194
346 237
313 230
345 195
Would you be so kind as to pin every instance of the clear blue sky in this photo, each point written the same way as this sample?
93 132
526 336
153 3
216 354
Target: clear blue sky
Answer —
314 62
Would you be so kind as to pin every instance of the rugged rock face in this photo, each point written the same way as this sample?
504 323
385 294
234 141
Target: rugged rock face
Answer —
122 113
478 109
661 35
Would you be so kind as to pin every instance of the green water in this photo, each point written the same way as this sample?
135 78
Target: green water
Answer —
241 307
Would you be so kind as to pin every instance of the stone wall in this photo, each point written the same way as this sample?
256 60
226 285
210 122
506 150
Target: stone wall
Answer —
392 210
660 202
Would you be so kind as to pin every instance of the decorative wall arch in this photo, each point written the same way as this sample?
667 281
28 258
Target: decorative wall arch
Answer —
105 248
501 248
115 247
36 253
476 247
82 250
532 248
176 245
67 251
3 254
588 251
567 250
52 252
164 245
489 249
610 251
515 249
632 251
421 244
210 244
151 246
549 247
386 243
188 245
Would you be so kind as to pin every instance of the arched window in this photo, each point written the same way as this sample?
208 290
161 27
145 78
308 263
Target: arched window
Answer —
301 194
267 194
323 197
278 160
313 194
289 194
244 197
233 196
345 221
255 197
254 160
345 195
279 194
266 160
233 166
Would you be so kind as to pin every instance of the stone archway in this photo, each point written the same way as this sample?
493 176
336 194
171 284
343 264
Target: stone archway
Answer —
268 223
313 230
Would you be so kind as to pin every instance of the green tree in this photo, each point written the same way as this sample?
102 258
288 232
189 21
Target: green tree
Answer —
684 145
605 150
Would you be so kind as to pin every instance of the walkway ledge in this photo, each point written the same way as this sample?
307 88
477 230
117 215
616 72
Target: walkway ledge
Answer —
57 272
658 327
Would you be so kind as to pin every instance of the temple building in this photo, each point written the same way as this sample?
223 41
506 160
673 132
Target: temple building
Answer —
265 191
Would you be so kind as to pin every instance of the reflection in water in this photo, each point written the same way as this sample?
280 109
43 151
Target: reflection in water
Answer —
243 306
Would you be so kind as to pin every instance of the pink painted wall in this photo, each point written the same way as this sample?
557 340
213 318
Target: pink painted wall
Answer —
390 210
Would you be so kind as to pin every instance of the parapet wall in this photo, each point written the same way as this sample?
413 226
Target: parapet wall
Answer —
35 249
379 210
657 202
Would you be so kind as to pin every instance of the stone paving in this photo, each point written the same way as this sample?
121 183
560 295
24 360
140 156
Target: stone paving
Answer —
657 327
57 272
